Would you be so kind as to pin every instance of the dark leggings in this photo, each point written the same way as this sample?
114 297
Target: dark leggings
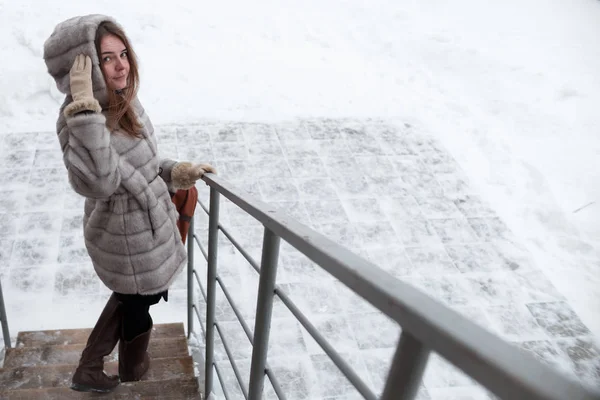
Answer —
136 315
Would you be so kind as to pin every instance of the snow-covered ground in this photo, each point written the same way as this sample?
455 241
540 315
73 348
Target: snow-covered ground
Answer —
509 88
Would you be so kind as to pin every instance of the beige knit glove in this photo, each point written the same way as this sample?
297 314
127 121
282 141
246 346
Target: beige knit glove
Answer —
81 87
185 174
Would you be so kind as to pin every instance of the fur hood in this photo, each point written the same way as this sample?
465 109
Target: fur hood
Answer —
70 38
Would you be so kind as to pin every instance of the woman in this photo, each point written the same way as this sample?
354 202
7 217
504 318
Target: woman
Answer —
129 222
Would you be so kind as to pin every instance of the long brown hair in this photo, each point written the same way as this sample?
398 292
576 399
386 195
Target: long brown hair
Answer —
120 112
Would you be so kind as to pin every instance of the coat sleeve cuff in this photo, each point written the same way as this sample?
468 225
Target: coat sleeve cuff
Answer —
89 104
181 176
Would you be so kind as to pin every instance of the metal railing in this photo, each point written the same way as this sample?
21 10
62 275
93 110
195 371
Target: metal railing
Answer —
427 326
4 320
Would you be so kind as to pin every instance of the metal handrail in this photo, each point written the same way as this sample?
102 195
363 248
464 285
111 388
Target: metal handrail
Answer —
250 336
426 324
229 298
4 321
321 341
327 347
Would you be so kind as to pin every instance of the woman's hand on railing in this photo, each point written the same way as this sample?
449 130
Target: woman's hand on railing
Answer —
185 174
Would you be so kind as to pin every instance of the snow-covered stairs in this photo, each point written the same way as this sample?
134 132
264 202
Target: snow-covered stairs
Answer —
42 363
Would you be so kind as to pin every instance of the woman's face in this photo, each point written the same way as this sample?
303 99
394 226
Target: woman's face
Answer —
114 62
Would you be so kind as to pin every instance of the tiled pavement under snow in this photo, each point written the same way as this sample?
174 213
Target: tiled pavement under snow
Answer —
386 191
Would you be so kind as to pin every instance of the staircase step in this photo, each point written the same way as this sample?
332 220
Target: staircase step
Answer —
69 354
80 336
171 389
47 376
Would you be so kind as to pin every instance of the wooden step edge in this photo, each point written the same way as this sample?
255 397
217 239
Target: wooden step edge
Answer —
59 375
169 389
108 365
57 354
80 336
74 365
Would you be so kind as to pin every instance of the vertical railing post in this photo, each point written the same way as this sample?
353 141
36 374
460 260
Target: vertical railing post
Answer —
4 321
190 278
211 287
407 369
264 309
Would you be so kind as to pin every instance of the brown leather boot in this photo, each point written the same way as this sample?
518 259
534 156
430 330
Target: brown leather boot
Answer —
89 375
133 356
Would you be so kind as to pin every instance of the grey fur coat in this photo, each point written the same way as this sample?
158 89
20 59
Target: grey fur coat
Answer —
129 220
